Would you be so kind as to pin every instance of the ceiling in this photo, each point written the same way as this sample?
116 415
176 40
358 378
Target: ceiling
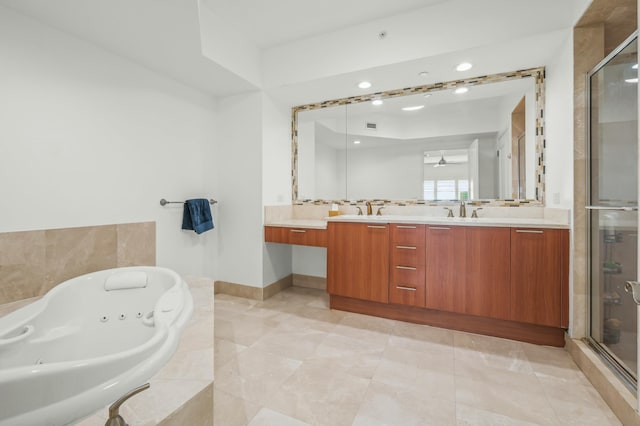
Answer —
275 22
168 36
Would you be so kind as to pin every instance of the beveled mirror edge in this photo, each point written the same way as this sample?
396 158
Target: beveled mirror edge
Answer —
538 75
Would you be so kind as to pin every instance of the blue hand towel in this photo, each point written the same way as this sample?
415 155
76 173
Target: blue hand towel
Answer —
197 215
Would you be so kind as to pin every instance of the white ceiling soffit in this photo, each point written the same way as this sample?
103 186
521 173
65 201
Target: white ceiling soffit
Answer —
162 35
275 22
441 28
511 55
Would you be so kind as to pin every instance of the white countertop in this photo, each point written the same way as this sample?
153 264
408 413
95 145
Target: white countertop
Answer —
455 221
452 221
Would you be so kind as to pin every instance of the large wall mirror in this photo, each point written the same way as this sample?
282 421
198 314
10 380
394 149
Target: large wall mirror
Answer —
477 139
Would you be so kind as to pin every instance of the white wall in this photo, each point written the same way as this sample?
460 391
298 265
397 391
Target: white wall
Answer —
89 138
240 56
276 153
559 127
240 210
276 182
310 261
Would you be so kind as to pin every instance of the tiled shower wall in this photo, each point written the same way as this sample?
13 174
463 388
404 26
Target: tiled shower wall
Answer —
33 262
605 25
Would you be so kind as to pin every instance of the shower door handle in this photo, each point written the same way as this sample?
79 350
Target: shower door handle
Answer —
633 287
618 209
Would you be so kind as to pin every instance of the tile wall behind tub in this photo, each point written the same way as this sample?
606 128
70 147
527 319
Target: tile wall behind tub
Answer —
33 262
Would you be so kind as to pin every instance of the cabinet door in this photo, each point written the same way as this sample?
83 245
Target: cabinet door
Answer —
536 276
445 265
358 261
487 285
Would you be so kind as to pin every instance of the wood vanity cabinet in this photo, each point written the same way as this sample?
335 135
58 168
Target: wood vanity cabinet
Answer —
500 281
539 276
407 265
468 270
358 261
297 236
486 284
444 263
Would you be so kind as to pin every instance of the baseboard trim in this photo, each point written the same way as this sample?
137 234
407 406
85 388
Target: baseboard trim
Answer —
255 293
621 401
309 281
538 334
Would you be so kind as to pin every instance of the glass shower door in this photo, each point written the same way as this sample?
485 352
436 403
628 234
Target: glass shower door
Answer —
612 216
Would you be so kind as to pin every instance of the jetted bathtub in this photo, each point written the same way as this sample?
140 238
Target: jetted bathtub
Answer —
87 342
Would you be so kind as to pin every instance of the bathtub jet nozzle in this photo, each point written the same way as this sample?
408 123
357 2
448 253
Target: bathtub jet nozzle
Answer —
115 419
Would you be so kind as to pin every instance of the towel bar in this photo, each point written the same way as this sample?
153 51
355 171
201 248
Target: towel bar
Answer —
164 202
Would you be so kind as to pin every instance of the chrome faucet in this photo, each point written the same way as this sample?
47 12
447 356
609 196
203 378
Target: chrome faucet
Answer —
369 208
463 209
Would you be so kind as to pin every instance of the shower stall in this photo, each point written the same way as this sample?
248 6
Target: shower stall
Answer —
612 210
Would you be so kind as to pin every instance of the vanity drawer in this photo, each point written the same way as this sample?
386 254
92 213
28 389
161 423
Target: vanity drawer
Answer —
296 236
406 286
407 255
410 235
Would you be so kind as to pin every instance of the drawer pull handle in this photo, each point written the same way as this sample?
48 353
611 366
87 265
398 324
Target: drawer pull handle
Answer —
406 247
298 230
401 287
529 231
439 228
376 227
406 227
409 268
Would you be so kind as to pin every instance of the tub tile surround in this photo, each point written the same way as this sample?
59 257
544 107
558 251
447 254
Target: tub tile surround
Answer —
33 262
182 391
292 360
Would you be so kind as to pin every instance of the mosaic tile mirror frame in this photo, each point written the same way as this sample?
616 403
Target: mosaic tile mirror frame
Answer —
538 76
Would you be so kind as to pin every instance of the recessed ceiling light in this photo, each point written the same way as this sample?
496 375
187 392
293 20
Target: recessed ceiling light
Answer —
635 67
427 95
356 142
632 80
364 85
461 90
423 74
377 102
413 108
464 66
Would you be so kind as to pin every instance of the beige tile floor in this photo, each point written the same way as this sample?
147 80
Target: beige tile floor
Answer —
291 361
